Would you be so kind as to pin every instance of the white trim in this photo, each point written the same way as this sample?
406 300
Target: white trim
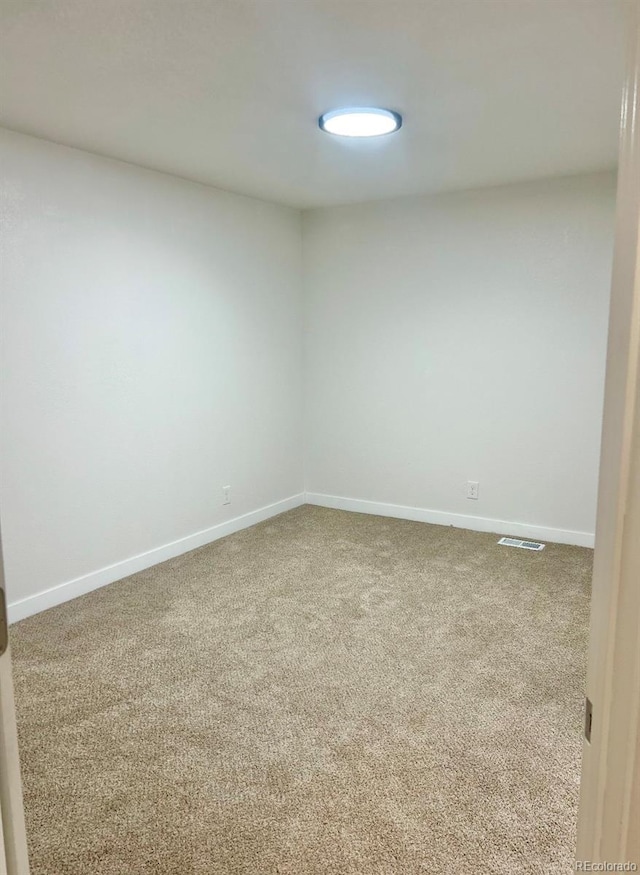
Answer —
459 520
63 592
71 589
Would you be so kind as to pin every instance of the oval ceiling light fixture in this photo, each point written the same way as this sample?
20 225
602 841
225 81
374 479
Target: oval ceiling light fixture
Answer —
360 121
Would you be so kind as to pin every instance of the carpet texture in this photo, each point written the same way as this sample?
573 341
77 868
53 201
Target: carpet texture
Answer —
326 693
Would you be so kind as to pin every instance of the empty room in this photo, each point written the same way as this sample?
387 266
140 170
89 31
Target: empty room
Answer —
305 314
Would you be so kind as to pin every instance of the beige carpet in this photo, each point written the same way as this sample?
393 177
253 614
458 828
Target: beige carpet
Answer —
324 694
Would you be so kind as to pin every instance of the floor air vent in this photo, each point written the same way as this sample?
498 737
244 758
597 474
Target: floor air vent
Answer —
524 545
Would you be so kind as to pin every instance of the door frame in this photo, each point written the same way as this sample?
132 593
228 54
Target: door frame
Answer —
13 836
610 782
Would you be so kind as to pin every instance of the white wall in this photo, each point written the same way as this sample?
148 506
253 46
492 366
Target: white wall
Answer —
151 351
461 337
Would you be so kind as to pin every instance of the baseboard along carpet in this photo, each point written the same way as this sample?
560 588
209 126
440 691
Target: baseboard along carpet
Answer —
326 693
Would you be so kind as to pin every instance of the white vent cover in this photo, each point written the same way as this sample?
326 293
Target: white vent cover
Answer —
524 545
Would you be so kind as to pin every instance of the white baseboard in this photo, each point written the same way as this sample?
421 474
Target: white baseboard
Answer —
460 521
64 592
71 589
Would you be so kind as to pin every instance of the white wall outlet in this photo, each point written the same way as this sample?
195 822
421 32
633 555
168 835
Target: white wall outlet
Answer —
473 489
226 495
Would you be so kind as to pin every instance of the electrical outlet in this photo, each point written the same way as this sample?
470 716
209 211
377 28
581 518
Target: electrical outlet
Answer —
226 495
473 489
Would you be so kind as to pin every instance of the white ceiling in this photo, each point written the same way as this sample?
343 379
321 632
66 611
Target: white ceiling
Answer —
227 92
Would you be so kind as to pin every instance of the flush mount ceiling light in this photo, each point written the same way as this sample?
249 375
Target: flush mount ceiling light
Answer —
360 121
